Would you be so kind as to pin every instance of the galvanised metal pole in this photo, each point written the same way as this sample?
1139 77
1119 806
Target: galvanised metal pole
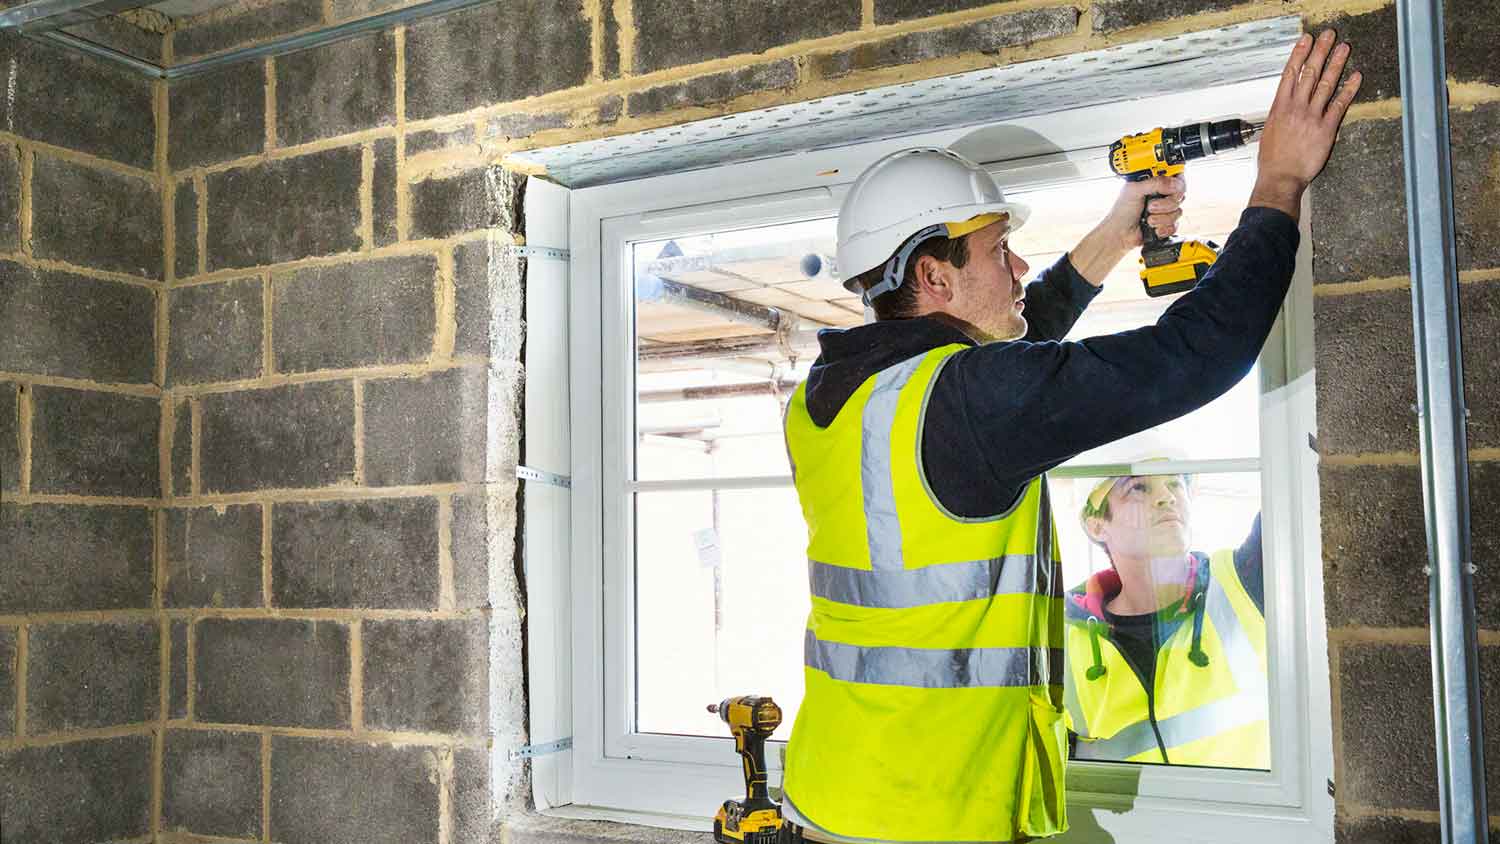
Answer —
1441 416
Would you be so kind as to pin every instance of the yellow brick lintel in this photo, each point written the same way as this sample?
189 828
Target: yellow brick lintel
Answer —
415 370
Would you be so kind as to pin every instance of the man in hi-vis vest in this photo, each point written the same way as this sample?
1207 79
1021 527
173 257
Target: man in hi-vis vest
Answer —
934 698
1166 648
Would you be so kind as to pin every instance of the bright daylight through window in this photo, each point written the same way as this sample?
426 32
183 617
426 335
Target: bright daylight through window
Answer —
724 326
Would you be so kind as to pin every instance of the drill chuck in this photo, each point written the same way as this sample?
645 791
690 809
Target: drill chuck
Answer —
1204 139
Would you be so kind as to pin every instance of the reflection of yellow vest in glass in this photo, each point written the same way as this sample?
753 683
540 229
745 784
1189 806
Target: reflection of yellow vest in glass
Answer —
1209 706
933 671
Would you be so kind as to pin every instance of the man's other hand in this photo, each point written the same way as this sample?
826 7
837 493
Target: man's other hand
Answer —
1124 217
1120 231
1303 121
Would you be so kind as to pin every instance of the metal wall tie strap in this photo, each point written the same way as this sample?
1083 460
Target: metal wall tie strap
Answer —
532 252
531 751
526 473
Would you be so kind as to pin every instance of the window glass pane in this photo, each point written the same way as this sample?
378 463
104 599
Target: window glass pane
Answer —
1165 619
1062 214
721 605
712 373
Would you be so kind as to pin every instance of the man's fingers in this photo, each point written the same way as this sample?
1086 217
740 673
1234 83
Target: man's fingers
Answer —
1313 68
1165 185
1165 204
1341 103
1163 220
1330 81
1293 67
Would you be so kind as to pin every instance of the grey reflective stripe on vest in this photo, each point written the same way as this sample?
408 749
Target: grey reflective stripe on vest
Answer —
1244 708
927 668
1013 574
1047 580
1244 663
882 528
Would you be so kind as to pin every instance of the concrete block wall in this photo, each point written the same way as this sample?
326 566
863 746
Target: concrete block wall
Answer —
335 357
83 640
462 90
338 522
1374 538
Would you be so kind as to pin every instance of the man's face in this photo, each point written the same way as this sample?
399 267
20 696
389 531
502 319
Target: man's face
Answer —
988 294
1149 519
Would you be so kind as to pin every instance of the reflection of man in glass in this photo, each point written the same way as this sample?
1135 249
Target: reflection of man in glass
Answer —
1166 648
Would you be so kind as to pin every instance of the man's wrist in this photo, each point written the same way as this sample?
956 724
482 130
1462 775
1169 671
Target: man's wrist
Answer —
1284 193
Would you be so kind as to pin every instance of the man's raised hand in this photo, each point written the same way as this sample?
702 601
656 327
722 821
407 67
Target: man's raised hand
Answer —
1303 121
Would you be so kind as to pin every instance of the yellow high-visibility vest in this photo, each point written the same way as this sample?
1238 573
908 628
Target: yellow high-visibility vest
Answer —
933 706
1209 703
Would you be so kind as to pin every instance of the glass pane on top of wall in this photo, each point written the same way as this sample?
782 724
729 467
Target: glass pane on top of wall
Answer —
724 326
1229 427
1165 619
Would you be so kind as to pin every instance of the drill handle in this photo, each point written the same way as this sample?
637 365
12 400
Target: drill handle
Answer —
1149 238
752 748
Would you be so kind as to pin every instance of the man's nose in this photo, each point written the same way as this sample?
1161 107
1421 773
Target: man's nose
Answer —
1018 265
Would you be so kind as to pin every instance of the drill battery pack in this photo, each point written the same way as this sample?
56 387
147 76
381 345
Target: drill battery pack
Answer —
1176 266
734 825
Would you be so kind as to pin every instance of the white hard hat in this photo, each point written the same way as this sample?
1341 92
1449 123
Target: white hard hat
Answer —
908 197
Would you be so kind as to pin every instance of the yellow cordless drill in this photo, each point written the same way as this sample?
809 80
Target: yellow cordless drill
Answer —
756 819
1170 265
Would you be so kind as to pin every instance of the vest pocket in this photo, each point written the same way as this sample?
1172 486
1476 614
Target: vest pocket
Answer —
1041 807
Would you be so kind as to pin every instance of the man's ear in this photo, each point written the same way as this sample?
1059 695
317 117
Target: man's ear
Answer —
1096 528
935 277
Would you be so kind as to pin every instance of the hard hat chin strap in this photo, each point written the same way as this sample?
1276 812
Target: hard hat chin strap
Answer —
895 269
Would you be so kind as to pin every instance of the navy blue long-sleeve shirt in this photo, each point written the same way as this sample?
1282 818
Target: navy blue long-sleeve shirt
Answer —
1002 413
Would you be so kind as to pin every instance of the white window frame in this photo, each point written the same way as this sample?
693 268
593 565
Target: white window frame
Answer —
576 563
